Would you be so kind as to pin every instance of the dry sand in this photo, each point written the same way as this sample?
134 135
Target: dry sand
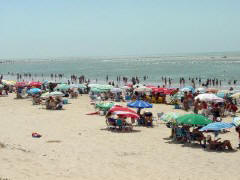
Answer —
78 146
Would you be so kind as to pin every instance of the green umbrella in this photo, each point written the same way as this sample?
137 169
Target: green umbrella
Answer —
104 106
193 119
178 95
62 87
97 90
170 117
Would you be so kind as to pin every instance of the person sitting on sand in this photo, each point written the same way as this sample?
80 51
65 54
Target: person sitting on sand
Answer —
50 103
36 99
59 103
218 145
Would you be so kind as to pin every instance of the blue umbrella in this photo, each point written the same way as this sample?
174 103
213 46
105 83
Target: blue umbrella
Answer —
139 104
34 91
188 88
217 126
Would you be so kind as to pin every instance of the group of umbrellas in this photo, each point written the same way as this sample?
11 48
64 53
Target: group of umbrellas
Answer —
199 120
208 95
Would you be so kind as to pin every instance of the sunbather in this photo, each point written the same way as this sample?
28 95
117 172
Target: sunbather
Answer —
218 145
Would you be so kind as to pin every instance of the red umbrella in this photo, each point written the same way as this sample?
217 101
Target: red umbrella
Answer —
121 108
35 84
127 114
21 84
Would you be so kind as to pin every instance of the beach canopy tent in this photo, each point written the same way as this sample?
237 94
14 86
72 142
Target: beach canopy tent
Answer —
217 126
170 117
34 91
139 104
236 121
53 94
62 87
193 119
209 98
104 106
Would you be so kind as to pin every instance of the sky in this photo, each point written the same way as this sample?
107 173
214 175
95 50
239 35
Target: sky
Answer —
75 28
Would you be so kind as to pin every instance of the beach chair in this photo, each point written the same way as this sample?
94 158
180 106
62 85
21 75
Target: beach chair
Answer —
160 115
111 123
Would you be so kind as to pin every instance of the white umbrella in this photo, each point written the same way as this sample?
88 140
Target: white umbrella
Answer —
143 89
209 98
116 90
201 90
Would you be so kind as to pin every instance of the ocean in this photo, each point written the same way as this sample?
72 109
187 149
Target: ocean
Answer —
224 66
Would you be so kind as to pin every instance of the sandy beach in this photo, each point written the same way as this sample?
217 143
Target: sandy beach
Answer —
78 146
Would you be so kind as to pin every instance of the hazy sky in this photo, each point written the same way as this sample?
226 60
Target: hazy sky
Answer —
56 28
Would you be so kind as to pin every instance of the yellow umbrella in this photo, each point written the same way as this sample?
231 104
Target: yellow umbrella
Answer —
236 95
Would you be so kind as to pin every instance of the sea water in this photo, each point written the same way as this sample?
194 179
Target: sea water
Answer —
221 66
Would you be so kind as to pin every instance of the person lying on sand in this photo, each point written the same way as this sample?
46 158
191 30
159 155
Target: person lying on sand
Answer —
218 145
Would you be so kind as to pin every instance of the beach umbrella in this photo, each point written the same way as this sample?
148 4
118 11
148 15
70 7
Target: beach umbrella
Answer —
53 94
139 104
62 87
170 117
137 86
9 83
94 85
106 87
34 91
217 126
116 90
35 84
236 95
121 108
125 87
236 121
143 89
201 90
105 106
193 119
209 98
21 84
212 90
97 90
187 89
126 114
80 86
178 95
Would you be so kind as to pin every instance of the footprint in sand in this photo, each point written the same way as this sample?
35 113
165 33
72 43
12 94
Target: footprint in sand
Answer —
54 141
